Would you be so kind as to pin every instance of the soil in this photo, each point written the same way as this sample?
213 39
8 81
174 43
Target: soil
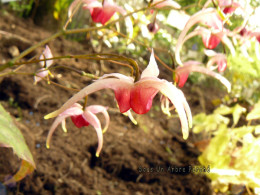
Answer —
132 155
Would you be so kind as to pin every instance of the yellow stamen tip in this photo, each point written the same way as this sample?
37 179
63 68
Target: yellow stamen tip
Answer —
97 155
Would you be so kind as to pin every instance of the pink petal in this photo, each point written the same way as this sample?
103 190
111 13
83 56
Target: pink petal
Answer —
111 83
122 95
166 3
210 41
152 69
192 67
175 96
94 121
79 121
220 60
207 16
57 121
74 109
41 74
45 55
222 65
182 78
97 109
142 98
101 15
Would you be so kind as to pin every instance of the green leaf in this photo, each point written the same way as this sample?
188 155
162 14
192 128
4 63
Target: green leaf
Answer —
237 111
11 137
255 113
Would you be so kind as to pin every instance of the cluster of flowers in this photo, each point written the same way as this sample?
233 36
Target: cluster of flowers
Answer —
139 95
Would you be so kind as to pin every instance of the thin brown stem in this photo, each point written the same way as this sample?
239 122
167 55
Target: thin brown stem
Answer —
140 43
61 86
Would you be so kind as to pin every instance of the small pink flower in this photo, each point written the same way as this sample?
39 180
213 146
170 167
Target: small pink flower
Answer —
44 72
228 6
182 73
211 36
216 58
137 96
82 118
99 13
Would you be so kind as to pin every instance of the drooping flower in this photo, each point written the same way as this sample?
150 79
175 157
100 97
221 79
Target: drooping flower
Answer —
211 36
228 6
44 72
182 73
82 118
99 13
102 13
216 58
137 96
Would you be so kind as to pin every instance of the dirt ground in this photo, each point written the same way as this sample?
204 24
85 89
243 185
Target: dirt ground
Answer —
132 155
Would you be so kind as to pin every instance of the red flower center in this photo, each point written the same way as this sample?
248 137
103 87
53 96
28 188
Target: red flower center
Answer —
79 121
138 98
210 41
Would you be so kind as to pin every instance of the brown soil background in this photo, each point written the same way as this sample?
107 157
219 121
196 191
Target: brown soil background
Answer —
70 165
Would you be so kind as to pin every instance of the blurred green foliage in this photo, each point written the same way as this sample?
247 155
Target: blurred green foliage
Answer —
233 153
22 8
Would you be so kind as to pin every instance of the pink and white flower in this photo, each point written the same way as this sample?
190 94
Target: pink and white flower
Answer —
211 36
182 73
82 118
137 96
216 58
44 72
99 13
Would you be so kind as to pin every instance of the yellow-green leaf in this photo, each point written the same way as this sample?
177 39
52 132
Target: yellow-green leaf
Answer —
10 136
255 113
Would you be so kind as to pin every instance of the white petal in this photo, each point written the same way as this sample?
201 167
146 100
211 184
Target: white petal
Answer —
57 121
96 109
198 17
45 55
96 86
190 66
152 68
94 121
175 96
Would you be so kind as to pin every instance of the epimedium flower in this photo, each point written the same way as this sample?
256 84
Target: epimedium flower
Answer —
44 72
228 6
182 73
216 58
82 118
137 96
211 36
100 13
